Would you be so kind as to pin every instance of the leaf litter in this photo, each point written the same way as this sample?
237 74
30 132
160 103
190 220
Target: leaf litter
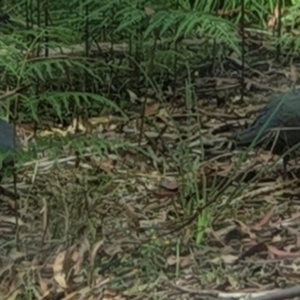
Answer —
119 225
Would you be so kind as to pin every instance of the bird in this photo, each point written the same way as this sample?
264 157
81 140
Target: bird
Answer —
278 125
9 146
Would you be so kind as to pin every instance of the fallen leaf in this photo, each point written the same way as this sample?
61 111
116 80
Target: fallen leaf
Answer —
264 221
169 183
149 11
281 253
229 259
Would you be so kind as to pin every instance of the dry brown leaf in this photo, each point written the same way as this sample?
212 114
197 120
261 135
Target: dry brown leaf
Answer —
172 260
183 261
101 120
95 250
169 183
265 157
143 166
60 277
276 11
14 295
294 74
281 253
113 249
132 218
270 199
264 221
229 259
45 213
43 285
233 282
77 295
149 11
107 165
54 130
61 267
151 110
273 20
164 115
132 96
78 257
111 127
277 238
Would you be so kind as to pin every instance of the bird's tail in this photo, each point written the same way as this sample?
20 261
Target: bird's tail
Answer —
247 136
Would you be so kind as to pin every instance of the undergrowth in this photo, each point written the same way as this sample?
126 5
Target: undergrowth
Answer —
99 85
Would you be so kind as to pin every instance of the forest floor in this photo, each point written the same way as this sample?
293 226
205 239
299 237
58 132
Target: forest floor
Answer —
171 218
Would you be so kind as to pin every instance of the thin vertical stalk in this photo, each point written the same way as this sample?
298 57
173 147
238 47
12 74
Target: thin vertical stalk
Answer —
243 48
46 7
279 24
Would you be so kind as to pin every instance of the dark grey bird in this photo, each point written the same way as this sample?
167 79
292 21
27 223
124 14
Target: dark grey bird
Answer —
278 126
9 145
